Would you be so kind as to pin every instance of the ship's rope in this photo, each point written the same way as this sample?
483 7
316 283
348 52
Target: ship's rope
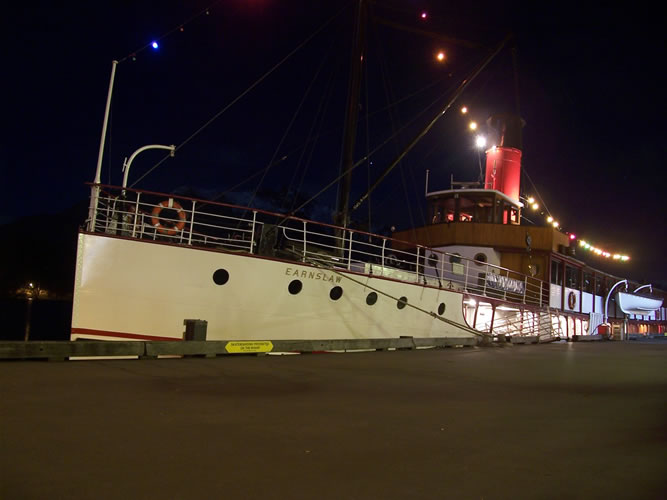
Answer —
433 314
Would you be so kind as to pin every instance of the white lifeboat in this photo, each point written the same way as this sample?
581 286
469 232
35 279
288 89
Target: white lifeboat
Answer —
631 303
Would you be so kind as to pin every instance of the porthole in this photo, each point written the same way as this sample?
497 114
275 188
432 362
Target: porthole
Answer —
295 287
455 258
336 293
371 298
480 259
402 302
441 308
220 277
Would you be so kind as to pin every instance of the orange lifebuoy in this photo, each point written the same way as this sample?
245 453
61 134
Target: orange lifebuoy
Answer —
173 227
571 300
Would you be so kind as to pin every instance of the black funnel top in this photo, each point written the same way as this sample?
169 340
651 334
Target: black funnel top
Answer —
507 127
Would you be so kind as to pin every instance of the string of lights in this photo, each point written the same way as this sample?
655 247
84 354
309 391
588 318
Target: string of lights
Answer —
480 142
155 43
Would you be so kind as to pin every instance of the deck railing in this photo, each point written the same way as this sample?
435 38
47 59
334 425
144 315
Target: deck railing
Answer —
205 224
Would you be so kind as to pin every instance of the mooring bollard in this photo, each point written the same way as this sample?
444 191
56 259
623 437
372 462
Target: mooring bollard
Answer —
195 329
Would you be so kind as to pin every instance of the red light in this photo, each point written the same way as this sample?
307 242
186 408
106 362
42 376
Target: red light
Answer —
573 236
424 15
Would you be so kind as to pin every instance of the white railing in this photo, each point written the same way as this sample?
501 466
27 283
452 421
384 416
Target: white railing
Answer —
199 223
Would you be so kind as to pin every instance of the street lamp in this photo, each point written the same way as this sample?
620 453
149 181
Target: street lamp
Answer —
480 142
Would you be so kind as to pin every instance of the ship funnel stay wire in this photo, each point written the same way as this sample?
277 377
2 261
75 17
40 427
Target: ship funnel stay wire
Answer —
421 134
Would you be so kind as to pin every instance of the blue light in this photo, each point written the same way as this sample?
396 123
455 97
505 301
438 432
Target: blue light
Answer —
154 45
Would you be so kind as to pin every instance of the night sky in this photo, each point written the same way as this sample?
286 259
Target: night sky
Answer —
590 88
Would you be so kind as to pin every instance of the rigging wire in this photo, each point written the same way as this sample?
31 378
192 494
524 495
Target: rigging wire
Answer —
287 131
245 92
360 161
308 149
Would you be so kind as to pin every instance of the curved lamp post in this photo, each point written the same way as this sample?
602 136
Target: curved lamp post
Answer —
606 302
128 161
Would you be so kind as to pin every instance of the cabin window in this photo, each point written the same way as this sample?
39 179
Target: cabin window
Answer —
556 272
599 285
480 259
295 287
336 293
588 283
572 277
221 276
455 258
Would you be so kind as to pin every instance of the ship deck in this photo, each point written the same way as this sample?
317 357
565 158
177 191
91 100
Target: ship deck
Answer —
575 420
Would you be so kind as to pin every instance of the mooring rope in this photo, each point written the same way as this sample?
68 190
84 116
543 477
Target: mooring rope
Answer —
397 299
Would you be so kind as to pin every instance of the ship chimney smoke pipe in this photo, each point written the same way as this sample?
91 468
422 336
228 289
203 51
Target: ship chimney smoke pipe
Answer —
503 163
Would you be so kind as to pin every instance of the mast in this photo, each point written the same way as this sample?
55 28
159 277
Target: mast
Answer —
341 217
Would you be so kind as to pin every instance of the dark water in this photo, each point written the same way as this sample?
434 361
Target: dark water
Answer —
49 319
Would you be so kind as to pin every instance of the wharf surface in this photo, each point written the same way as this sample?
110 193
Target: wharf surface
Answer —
561 420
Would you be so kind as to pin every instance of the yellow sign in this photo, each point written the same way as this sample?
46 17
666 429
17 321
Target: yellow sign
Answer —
249 346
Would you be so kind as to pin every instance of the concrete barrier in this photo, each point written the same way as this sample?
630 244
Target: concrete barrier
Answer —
517 339
150 350
587 338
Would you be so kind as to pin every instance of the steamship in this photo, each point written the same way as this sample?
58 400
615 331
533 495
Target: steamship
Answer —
148 261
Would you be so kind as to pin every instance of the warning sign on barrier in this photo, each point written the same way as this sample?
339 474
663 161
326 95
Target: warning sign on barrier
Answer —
249 346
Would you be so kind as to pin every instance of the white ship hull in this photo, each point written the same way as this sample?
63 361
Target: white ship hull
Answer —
135 289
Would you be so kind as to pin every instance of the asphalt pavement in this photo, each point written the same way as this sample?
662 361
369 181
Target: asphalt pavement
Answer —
564 420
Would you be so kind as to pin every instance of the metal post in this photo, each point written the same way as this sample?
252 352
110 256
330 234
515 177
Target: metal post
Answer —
95 190
541 286
192 223
303 258
349 253
28 318
417 265
136 215
486 273
384 244
252 234
525 288
465 284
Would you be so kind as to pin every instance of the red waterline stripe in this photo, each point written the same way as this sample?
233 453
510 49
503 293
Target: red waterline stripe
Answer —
102 333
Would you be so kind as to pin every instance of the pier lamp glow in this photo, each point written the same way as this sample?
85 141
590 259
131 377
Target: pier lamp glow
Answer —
480 141
535 206
555 224
550 219
472 126
464 110
441 56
